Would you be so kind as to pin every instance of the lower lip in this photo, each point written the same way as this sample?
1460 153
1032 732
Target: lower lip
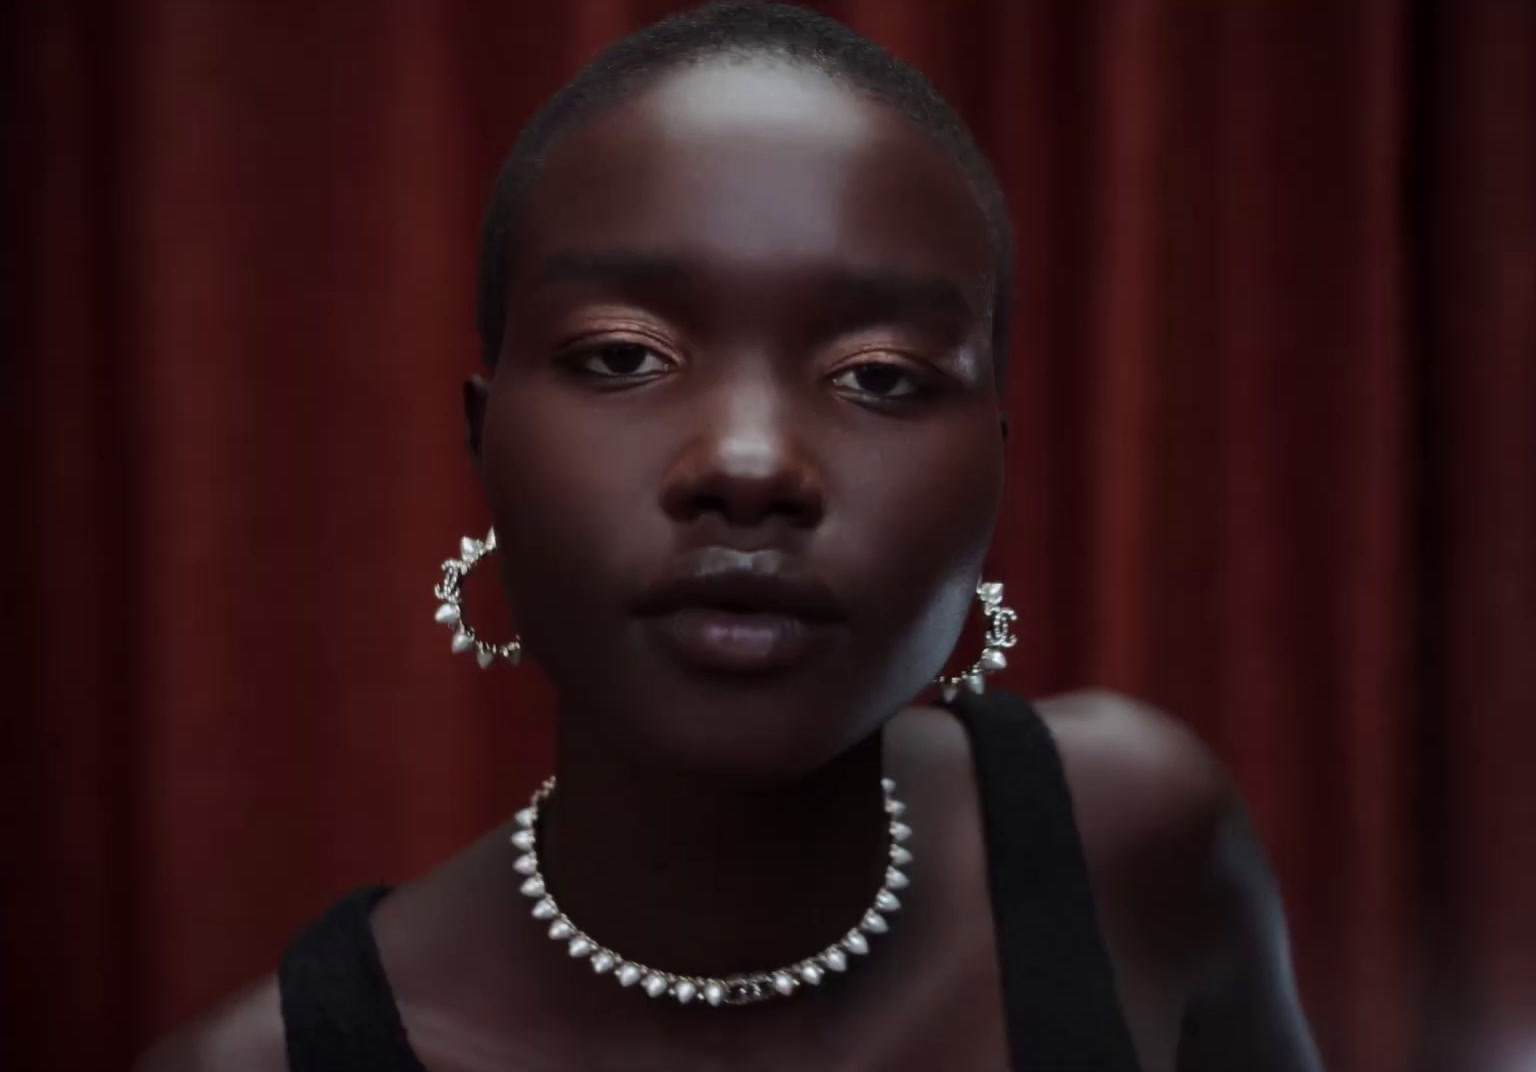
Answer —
737 642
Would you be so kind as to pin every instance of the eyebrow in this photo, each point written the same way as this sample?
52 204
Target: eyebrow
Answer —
611 267
888 291
880 290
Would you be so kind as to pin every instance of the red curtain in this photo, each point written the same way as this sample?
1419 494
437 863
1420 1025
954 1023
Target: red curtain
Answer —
1275 425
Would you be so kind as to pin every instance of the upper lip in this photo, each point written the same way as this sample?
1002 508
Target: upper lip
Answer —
748 582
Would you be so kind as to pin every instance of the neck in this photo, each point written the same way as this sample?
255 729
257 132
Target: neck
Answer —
696 877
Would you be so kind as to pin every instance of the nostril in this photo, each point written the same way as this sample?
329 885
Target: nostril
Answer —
804 513
789 495
710 504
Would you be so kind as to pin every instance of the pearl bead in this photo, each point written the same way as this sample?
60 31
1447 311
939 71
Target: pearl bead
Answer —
975 684
900 831
684 992
900 855
602 962
856 943
895 880
579 946
886 901
993 659
784 983
714 993
811 974
561 929
654 985
526 864
447 614
533 887
874 923
461 643
628 975
545 909
523 839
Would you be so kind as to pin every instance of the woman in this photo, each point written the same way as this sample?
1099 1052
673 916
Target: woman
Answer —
743 297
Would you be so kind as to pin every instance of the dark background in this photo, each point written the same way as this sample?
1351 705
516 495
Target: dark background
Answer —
1274 416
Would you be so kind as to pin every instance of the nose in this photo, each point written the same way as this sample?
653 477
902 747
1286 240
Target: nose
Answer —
747 464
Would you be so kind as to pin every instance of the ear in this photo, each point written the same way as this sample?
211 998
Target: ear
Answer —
476 393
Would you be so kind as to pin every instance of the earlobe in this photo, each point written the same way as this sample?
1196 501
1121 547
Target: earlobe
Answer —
476 392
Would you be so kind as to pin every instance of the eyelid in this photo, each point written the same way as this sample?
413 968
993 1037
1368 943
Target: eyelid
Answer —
586 342
618 331
877 355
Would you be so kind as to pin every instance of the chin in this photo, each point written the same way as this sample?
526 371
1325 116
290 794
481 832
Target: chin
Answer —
740 729
751 730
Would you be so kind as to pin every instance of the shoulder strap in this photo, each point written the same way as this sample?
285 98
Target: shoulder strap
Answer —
1059 994
339 1013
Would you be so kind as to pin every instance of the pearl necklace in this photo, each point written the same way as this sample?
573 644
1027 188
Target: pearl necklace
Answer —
742 989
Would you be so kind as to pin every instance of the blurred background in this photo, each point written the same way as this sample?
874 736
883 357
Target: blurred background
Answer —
1274 412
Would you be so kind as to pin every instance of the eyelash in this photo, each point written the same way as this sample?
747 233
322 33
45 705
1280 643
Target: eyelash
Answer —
579 362
920 387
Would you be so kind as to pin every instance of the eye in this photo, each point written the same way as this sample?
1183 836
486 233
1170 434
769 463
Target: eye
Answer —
878 379
619 361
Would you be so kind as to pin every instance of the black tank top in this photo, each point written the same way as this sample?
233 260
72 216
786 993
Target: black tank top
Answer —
1062 1012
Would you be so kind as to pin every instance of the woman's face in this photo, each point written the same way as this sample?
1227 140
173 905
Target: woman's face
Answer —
742 446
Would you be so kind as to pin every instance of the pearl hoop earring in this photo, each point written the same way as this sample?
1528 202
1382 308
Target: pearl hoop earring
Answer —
450 612
999 636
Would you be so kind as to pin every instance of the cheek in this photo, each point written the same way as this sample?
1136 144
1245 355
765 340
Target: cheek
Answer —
918 518
925 503
573 499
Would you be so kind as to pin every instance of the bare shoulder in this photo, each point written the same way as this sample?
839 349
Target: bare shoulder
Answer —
1182 880
243 1034
1151 769
1153 807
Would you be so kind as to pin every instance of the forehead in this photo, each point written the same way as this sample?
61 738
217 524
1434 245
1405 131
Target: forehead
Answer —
759 166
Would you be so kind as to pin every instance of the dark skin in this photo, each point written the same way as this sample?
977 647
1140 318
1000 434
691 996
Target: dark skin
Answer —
750 308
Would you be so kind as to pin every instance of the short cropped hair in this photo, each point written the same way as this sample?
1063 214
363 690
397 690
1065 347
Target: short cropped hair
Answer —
723 30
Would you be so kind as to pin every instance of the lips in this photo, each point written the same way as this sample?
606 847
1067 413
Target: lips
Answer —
739 611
